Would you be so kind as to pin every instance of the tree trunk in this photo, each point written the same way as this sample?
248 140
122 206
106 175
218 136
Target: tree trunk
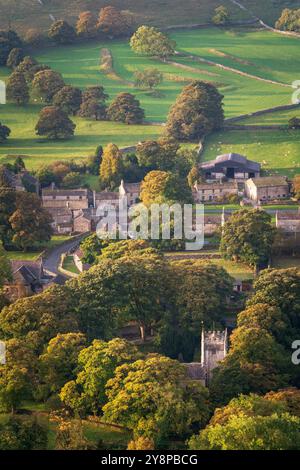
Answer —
143 332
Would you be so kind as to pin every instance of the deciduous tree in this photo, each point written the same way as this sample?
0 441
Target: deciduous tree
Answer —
17 89
58 362
62 32
30 222
126 108
86 26
112 22
54 124
155 399
16 56
96 365
148 40
248 236
68 99
148 78
46 84
111 166
197 111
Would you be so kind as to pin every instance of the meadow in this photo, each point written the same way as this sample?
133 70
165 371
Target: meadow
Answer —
250 51
278 151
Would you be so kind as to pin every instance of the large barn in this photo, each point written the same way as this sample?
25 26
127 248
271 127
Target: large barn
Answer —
230 166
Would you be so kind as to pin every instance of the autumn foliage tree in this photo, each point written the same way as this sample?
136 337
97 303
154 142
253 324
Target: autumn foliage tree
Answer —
46 84
17 89
8 40
197 111
112 22
30 222
29 67
62 32
86 26
15 57
126 108
111 166
54 124
163 187
93 103
68 99
289 20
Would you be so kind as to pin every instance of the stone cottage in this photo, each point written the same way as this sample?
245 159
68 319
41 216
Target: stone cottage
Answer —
267 188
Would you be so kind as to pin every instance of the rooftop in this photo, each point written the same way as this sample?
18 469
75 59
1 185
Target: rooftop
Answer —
225 185
267 181
288 215
234 158
65 192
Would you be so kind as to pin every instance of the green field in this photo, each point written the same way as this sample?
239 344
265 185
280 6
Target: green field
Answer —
56 240
277 151
262 53
69 265
249 51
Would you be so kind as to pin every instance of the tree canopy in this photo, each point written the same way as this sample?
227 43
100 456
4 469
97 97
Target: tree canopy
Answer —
197 111
248 236
148 40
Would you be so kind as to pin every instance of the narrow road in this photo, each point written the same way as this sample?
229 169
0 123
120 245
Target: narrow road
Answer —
52 259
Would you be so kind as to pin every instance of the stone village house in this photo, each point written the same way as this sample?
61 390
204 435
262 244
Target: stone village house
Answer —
75 210
267 188
28 278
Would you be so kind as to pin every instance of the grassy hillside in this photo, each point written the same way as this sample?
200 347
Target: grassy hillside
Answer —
248 51
31 13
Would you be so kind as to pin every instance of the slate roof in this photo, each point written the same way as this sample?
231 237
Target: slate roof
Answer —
65 192
29 271
267 181
288 215
218 186
106 196
234 158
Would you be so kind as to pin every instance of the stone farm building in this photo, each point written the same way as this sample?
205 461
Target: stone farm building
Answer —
231 166
207 192
66 198
267 188
77 210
